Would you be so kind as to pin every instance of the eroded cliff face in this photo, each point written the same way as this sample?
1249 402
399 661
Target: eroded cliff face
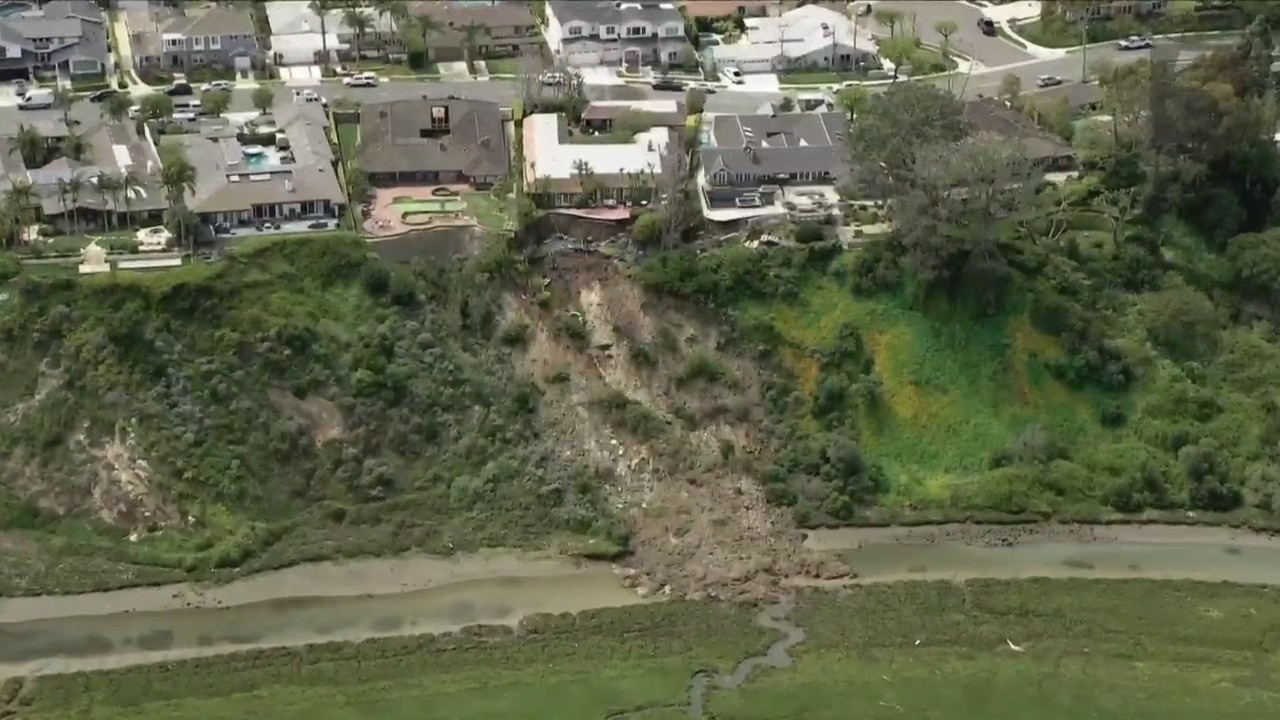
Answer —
640 389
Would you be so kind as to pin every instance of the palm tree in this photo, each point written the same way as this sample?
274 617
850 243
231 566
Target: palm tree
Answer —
471 33
21 196
426 25
108 186
888 18
29 145
129 184
359 23
64 98
116 108
321 8
397 10
946 28
69 190
586 176
178 176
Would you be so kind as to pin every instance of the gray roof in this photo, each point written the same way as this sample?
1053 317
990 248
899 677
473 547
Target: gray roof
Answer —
113 149
996 117
80 19
606 12
224 184
785 143
391 140
217 21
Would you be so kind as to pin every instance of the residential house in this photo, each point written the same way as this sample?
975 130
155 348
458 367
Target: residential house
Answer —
1080 97
600 115
296 38
995 116
509 29
181 39
586 33
112 149
241 180
767 158
430 142
806 38
561 173
64 36
1102 9
712 9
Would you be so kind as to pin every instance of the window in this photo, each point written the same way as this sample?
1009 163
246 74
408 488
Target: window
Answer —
637 31
673 56
197 43
574 31
173 43
215 42
197 59
609 31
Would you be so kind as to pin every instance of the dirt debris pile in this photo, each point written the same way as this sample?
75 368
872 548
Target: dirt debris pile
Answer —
639 389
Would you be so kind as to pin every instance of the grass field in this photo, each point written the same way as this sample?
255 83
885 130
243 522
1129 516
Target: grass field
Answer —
953 392
1105 650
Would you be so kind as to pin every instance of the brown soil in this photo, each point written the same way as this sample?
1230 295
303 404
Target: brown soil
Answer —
700 524
322 417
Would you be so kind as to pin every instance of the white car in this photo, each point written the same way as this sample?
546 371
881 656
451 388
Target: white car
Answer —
552 78
361 80
732 75
309 96
1136 42
1048 81
219 85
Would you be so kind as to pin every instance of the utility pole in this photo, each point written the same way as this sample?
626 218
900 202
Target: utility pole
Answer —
1084 46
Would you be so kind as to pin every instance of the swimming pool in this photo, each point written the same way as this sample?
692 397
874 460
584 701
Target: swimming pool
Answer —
13 8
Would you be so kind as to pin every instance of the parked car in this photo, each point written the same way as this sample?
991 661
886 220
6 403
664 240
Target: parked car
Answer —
219 85
1046 81
309 96
361 80
19 86
666 83
318 225
267 225
732 75
552 78
179 86
987 26
223 229
1136 42
98 96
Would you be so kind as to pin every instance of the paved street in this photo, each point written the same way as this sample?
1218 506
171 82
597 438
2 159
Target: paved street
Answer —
984 82
968 40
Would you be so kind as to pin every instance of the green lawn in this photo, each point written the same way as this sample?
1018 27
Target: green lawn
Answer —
503 66
1105 650
491 212
386 69
1057 33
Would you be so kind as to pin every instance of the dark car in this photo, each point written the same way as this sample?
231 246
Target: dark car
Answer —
318 225
179 89
664 83
987 26
98 96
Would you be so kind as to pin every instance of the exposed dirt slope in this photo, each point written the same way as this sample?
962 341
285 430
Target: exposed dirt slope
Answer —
700 523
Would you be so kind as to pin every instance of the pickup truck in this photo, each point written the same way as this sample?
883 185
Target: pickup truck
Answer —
361 80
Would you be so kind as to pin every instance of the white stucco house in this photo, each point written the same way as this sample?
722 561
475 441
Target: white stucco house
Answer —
587 33
808 37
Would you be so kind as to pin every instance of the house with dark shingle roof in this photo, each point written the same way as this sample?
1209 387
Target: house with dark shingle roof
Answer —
66 36
433 142
216 36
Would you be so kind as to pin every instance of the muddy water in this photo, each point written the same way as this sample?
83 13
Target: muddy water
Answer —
307 604
965 552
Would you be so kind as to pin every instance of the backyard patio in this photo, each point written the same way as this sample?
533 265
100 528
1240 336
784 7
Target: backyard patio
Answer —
398 210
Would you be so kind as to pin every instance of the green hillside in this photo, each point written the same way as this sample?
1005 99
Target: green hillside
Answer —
299 400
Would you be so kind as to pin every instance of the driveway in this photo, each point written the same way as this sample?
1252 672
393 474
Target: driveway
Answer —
968 39
454 71
301 74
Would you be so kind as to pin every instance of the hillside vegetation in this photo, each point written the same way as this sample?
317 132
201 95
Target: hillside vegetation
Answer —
300 400
1102 345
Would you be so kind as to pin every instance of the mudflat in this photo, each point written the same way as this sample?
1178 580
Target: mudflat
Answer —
1009 535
